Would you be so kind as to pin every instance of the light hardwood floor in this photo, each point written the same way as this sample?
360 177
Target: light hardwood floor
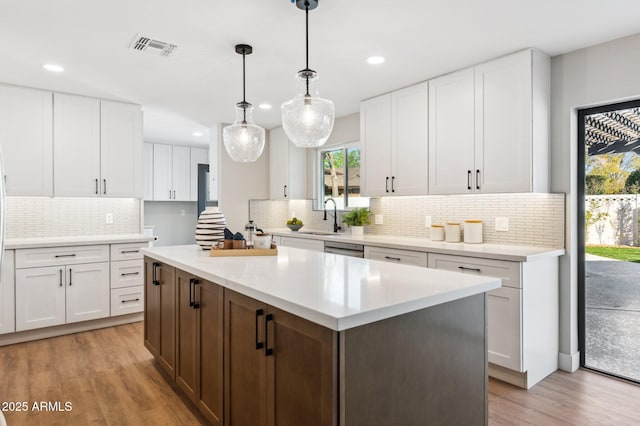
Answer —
111 379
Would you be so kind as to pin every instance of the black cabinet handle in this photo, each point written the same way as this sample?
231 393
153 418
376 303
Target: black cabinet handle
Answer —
137 299
96 185
129 251
259 313
124 274
104 182
477 179
393 258
386 184
195 304
469 269
285 191
267 350
174 194
191 281
393 178
60 277
154 278
169 194
65 255
70 275
469 180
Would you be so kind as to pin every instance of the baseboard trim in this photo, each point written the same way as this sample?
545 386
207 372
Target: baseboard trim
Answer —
569 362
61 330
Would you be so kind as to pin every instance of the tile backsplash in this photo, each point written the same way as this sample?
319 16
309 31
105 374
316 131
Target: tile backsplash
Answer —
534 219
63 217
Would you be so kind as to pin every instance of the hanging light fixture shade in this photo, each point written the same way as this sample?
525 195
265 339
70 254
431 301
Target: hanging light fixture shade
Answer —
243 140
307 119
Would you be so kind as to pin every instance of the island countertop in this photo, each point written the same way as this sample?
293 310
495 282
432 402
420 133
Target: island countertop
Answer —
335 291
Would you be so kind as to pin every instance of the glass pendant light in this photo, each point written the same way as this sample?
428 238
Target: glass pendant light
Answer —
308 119
243 140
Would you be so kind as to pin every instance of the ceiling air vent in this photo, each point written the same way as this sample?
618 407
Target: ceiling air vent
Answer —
151 46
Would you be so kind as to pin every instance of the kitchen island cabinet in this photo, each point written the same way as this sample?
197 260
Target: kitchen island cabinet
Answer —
321 339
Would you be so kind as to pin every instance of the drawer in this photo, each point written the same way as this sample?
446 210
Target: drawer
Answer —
127 273
56 256
509 272
127 300
127 251
406 257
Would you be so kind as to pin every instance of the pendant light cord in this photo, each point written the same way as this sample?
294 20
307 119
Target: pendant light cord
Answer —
244 100
306 5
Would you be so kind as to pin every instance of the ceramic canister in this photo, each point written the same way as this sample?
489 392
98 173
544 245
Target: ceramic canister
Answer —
437 233
473 231
452 232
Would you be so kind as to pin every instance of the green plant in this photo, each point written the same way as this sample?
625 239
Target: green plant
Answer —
357 217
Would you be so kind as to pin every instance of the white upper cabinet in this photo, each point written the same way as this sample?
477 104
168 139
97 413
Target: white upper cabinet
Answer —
76 140
489 127
26 138
121 149
198 156
147 188
451 133
171 172
394 134
287 167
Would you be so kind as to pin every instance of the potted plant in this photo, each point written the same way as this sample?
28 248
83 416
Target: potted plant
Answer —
356 219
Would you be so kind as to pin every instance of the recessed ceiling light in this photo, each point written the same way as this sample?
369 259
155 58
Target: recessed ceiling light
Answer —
375 60
264 106
197 134
53 68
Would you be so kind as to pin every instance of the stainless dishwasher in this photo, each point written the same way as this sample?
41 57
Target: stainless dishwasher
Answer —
345 249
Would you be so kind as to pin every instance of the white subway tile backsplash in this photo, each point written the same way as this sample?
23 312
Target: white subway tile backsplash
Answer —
61 217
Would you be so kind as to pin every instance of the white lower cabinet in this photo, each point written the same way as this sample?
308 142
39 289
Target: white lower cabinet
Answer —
127 278
87 292
7 297
405 257
504 322
127 300
40 297
303 243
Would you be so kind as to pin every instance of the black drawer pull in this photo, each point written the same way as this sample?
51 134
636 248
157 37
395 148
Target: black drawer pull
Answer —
124 274
267 350
196 305
70 275
393 258
154 278
259 313
65 255
129 251
137 299
469 269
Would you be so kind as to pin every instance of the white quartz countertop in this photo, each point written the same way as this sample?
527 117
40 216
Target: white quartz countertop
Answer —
335 291
84 240
488 251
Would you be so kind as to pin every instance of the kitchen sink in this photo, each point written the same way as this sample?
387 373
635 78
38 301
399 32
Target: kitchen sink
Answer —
316 233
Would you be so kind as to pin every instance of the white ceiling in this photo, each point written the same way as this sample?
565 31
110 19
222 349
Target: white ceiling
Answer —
201 82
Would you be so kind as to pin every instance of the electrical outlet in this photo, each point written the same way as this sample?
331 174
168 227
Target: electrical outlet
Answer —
182 212
427 221
108 218
378 219
501 224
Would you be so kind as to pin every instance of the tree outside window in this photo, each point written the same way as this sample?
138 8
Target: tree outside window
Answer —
340 177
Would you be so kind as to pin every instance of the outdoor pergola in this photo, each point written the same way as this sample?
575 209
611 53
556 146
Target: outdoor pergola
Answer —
613 132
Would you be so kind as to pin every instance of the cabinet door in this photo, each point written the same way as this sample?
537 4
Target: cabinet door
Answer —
302 381
151 307
7 294
410 143
181 173
76 140
198 156
375 138
451 133
162 172
121 149
167 347
278 164
504 323
147 171
40 297
187 355
245 362
26 138
88 292
210 299
503 124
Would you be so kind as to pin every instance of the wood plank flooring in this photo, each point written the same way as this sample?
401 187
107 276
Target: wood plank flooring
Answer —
111 379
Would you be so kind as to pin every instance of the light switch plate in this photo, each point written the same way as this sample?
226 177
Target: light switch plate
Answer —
427 221
378 219
501 224
108 218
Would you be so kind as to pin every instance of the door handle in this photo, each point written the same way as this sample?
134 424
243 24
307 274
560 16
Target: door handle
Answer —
174 194
60 277
104 189
70 275
477 179
96 185
469 180
469 269
285 191
259 313
267 350
393 179
169 194
386 184
196 305
154 277
191 280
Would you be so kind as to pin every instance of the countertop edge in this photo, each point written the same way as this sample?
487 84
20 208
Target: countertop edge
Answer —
26 243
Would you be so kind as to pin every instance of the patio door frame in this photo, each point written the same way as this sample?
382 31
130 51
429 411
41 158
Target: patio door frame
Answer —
581 211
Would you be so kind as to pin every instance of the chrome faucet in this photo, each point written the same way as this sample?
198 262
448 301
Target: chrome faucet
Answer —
336 228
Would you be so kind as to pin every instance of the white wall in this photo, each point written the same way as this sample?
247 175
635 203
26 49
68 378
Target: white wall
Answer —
239 182
596 75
